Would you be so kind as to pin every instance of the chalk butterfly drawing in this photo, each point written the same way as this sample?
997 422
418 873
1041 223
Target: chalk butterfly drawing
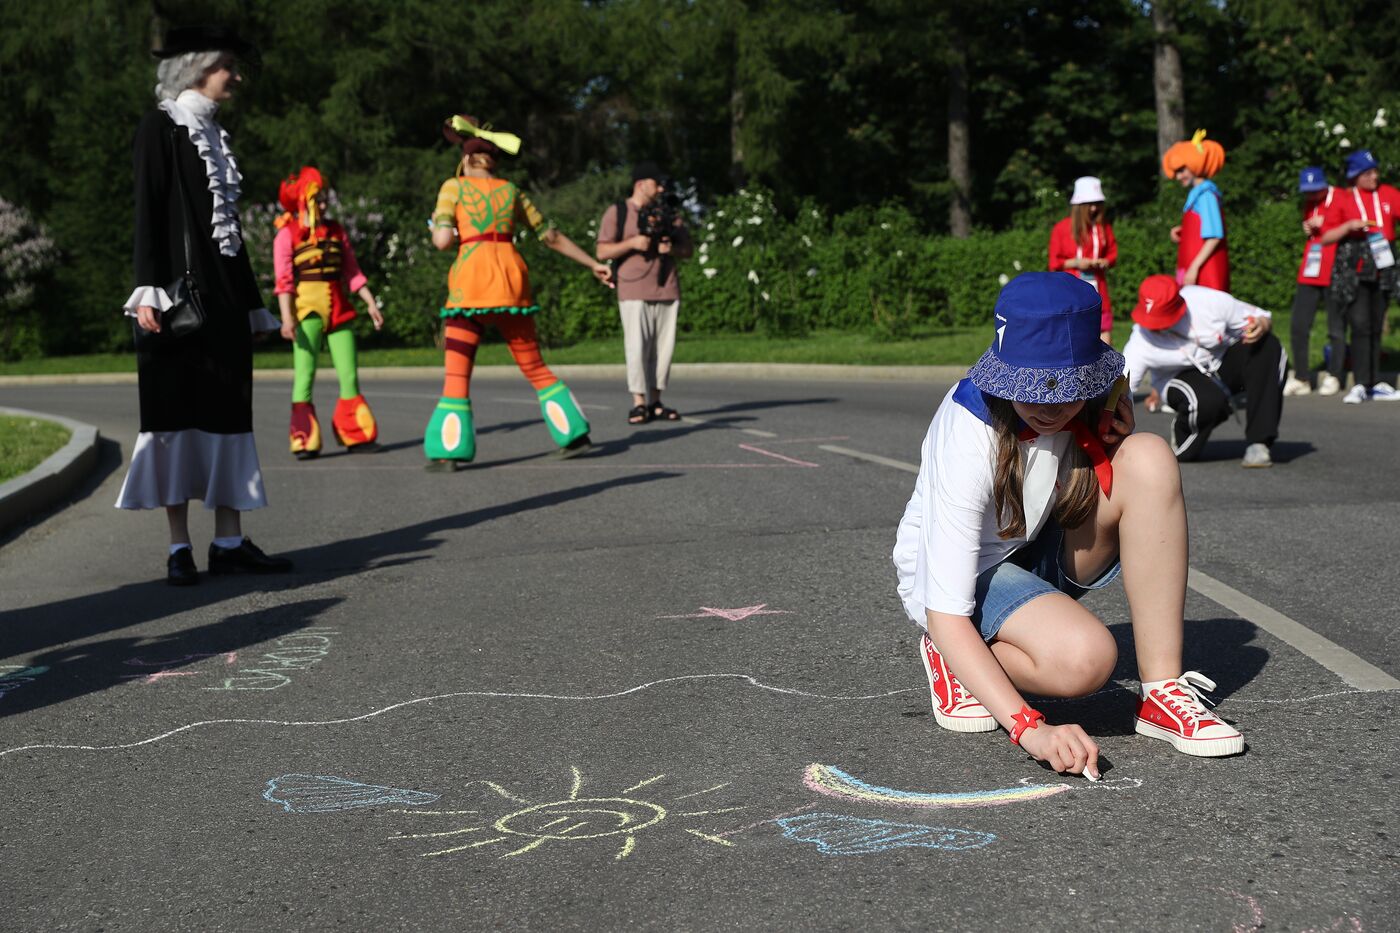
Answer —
837 834
613 819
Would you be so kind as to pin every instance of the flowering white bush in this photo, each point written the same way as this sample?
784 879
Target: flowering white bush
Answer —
26 252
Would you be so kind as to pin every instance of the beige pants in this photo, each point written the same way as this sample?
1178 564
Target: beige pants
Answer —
649 336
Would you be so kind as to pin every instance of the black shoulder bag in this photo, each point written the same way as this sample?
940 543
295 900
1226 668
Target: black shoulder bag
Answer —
186 313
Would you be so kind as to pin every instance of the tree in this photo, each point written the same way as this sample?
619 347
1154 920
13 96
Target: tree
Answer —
1166 76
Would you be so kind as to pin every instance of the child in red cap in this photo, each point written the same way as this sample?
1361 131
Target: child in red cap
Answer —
1200 347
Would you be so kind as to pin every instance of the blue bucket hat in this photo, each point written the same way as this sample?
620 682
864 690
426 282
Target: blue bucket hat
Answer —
1047 348
1360 161
1312 178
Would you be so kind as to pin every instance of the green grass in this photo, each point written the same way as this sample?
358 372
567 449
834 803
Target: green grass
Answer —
949 346
27 442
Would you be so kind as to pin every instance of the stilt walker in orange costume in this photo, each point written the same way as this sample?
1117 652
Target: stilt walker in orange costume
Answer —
314 265
489 285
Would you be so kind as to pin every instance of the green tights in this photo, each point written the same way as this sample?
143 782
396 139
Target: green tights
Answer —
305 349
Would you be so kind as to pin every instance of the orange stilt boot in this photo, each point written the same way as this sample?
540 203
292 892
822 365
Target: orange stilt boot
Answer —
354 424
305 431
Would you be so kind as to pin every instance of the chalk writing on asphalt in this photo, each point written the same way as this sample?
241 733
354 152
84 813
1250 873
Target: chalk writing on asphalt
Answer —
614 818
271 670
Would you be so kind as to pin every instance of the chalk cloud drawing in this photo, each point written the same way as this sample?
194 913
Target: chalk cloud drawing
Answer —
614 819
831 781
837 834
733 615
317 793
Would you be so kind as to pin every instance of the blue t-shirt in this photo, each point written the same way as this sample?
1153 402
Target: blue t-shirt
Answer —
1204 199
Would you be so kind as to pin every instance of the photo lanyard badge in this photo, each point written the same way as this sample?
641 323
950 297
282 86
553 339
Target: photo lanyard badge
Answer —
1380 247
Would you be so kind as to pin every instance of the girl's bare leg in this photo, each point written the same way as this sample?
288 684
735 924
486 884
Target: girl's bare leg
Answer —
228 524
1055 647
1144 523
178 518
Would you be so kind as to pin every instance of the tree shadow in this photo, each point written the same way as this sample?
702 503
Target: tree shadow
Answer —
72 671
34 628
1220 648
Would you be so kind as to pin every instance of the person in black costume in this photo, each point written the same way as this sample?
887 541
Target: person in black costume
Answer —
196 435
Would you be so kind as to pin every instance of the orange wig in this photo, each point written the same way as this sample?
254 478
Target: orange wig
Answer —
1204 157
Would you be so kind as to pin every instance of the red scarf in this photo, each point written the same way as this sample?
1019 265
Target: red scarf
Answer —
1088 442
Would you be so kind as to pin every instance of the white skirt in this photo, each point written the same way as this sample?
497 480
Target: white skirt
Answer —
172 467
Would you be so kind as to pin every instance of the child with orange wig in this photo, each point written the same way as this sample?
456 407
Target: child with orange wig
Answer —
1202 257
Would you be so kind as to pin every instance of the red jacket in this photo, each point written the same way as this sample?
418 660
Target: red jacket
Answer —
1100 245
1329 251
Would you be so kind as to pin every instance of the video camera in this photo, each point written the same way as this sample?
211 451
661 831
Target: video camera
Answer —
658 218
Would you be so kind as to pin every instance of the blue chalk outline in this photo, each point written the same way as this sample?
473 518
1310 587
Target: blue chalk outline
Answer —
353 800
838 834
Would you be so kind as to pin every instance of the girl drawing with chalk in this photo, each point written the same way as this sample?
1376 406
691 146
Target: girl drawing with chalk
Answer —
1032 491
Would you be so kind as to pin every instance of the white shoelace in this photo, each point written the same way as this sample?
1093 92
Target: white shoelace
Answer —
1193 706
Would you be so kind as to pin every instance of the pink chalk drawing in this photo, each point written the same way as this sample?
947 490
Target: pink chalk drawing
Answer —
733 615
157 676
1256 921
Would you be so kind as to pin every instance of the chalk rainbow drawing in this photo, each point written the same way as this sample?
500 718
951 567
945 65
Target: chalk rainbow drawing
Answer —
318 793
833 782
572 819
837 834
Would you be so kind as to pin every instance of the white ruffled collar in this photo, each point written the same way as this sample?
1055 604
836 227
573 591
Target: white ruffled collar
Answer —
195 112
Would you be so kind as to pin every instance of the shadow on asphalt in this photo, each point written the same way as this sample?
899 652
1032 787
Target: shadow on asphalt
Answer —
760 405
109 460
77 670
36 628
1282 451
1220 648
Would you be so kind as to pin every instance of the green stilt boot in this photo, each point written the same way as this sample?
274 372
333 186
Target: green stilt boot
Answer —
450 435
562 416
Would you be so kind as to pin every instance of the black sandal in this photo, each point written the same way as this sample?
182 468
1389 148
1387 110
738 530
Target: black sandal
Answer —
638 415
660 412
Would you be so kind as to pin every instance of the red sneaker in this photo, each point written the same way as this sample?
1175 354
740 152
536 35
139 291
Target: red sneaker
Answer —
953 706
1174 711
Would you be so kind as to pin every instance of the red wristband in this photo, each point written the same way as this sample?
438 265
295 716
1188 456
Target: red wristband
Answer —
1027 718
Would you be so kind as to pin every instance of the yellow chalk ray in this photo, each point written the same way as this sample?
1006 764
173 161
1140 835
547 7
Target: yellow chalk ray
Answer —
627 848
705 791
708 838
641 784
473 845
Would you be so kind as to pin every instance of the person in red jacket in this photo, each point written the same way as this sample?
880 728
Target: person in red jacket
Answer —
1362 224
1083 245
1202 255
1314 275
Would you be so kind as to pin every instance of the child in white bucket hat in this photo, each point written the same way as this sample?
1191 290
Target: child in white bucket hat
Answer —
1083 245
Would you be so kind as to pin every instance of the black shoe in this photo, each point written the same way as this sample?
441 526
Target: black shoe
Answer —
576 448
180 569
246 558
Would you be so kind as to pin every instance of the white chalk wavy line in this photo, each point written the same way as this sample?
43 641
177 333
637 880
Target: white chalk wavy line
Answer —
751 680
447 696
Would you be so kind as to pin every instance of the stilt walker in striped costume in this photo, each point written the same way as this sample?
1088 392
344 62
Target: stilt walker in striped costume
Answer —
314 265
489 285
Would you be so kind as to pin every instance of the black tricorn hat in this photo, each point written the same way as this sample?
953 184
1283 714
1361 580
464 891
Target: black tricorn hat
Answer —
182 39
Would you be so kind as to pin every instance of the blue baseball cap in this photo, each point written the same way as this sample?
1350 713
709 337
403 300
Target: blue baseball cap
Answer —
1312 178
1360 161
1046 348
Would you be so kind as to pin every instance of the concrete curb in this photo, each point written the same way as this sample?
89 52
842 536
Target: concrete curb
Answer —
831 372
48 483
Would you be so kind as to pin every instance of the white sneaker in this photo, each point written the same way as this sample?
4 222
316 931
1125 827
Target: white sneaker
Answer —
1328 384
1384 392
1256 456
1174 711
1296 386
1355 395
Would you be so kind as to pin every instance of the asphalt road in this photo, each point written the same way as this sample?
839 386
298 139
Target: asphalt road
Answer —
666 686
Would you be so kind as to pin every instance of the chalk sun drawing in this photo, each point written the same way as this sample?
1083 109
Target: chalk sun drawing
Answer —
614 818
837 834
833 782
316 793
733 615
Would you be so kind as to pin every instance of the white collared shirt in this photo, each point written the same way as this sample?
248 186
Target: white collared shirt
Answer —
948 535
1214 322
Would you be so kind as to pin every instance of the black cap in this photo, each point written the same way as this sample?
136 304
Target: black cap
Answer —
646 170
180 40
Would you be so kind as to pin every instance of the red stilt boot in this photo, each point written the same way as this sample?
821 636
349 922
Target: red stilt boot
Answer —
354 424
305 431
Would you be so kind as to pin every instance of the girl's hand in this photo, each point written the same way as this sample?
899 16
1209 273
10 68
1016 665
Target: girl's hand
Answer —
1065 748
376 316
1154 401
603 273
289 328
147 318
1123 420
1176 234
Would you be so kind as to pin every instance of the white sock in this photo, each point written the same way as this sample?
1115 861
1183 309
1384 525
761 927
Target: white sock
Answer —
226 543
1152 684
177 547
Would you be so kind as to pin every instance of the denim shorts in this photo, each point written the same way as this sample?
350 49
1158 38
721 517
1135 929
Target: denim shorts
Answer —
1032 571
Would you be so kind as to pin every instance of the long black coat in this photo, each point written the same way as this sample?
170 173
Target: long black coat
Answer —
203 381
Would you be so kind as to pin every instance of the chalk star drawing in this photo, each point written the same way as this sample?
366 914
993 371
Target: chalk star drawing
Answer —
836 834
833 782
733 615
315 793
573 819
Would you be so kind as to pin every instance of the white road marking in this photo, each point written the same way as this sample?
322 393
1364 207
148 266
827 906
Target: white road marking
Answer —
1355 671
757 432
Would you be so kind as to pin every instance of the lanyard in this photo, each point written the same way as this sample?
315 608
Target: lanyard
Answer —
1079 250
1375 202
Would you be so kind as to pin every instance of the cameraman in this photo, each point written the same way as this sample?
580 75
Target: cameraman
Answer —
643 237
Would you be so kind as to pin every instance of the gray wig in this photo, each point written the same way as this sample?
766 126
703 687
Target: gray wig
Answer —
183 72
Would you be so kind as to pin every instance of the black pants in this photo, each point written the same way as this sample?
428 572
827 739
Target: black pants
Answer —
1202 406
1306 299
1366 317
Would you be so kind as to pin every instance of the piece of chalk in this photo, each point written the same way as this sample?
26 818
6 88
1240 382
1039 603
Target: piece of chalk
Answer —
1093 777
